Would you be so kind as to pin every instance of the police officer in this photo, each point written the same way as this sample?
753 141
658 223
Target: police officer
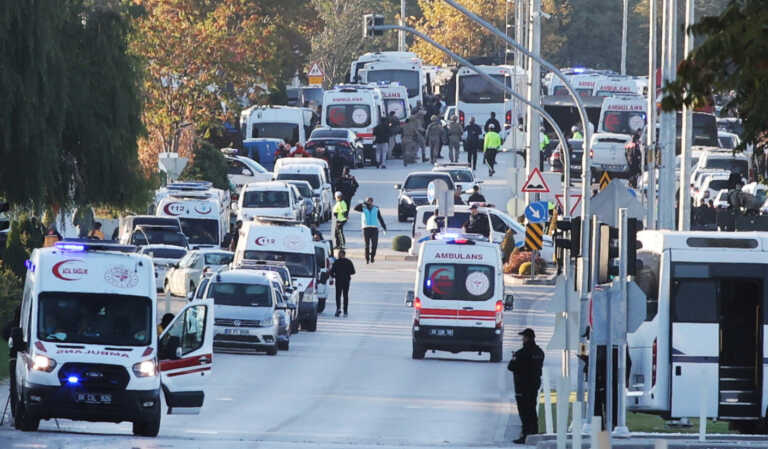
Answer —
526 366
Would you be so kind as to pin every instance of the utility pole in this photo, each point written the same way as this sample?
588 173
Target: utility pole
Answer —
625 4
534 91
668 131
401 33
650 135
684 222
621 397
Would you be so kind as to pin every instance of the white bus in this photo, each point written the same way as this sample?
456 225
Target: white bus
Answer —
477 97
702 342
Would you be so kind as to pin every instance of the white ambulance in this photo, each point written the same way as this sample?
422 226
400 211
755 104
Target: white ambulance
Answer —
459 297
354 106
396 100
611 86
204 215
292 124
620 117
88 346
273 239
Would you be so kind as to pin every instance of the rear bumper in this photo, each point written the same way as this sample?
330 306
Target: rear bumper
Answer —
463 338
47 402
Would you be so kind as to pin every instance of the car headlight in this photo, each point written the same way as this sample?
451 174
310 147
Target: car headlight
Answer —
267 322
42 363
147 368
406 199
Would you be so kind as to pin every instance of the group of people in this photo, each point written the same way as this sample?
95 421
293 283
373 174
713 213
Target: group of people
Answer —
386 135
286 150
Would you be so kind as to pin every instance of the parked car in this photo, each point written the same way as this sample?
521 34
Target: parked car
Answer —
576 153
311 210
413 192
326 143
183 277
163 257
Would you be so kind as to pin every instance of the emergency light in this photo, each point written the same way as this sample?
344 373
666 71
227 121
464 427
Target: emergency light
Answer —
73 379
83 245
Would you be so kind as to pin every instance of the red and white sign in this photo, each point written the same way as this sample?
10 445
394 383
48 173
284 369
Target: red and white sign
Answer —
535 183
315 71
121 276
574 200
263 241
70 270
174 209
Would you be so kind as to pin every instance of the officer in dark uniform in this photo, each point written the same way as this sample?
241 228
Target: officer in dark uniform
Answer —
526 365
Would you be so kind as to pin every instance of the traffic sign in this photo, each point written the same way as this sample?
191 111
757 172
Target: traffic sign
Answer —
315 75
575 200
604 180
533 236
537 212
535 183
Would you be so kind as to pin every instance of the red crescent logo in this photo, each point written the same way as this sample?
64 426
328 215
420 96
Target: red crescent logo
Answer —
260 241
173 209
203 209
440 283
73 274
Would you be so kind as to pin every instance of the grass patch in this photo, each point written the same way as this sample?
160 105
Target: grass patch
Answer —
3 359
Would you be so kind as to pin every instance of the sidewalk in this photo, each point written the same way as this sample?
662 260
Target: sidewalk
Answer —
648 441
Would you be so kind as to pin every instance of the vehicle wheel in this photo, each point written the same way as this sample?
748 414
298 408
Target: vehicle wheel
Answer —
284 345
496 354
310 325
23 420
419 351
150 426
272 350
320 305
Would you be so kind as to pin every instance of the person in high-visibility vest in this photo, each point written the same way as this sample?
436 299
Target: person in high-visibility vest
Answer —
341 213
575 134
491 145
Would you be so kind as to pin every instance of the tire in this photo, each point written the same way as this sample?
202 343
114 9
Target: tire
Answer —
23 420
401 243
310 325
496 354
272 350
419 351
284 345
294 326
150 426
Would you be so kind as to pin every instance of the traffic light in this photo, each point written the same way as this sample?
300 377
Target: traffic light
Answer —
369 21
633 226
608 262
573 241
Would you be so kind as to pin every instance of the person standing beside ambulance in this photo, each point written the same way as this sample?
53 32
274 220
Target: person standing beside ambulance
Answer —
371 220
526 365
381 136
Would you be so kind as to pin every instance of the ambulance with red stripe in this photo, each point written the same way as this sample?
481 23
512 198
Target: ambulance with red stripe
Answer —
458 299
354 106
88 345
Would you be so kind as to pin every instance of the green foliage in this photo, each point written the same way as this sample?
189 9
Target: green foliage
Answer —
208 165
70 108
401 243
507 245
11 288
732 57
16 252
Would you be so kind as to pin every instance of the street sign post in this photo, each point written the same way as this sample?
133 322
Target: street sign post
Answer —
535 183
315 76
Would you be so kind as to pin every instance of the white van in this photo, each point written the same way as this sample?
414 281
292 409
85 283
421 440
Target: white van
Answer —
459 297
396 100
289 242
269 199
313 172
291 124
356 107
204 220
620 118
88 346
616 85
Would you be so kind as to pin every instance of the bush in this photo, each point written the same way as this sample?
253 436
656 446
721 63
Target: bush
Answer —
209 164
401 243
518 258
10 294
16 252
508 244
525 269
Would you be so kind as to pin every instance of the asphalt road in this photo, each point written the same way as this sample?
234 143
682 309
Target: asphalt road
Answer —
350 384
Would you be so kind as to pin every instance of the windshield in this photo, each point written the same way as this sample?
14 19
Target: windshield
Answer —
143 236
420 182
328 134
396 106
233 294
456 221
165 253
727 142
269 198
348 115
314 180
299 264
461 175
314 94
623 122
406 78
735 165
90 318
304 189
718 184
201 231
218 258
476 89
458 282
289 132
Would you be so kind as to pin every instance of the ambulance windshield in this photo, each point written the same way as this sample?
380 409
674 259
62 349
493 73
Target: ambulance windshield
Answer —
201 230
458 281
90 318
299 264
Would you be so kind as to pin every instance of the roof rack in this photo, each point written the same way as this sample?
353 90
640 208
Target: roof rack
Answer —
82 245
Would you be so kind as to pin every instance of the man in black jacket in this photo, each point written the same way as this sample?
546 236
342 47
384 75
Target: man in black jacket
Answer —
526 365
473 143
476 196
492 121
342 270
477 223
381 135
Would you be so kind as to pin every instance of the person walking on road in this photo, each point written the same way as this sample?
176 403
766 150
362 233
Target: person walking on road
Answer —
381 142
492 122
347 185
341 213
435 137
491 145
472 142
395 134
526 365
410 141
371 219
342 270
476 196
455 130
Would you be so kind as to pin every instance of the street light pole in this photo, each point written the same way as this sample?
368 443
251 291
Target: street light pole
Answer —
534 91
684 219
625 5
401 33
651 122
668 125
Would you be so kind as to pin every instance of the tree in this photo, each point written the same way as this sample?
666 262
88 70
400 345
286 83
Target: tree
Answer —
340 41
203 58
732 57
70 108
208 165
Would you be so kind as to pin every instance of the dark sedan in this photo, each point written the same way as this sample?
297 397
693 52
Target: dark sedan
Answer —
326 143
413 192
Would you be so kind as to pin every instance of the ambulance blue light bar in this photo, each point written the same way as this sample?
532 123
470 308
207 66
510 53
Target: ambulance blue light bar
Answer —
83 245
457 239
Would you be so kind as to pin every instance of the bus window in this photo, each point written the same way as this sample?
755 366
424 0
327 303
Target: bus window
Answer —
695 300
647 279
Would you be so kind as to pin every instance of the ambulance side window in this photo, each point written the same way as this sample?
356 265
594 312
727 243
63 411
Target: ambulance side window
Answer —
187 333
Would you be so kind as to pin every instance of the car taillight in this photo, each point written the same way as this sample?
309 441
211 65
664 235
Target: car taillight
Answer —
591 153
461 117
654 364
499 313
508 118
416 311
556 155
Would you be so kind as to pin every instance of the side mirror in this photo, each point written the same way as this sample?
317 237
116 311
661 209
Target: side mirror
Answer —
508 301
397 186
409 295
17 342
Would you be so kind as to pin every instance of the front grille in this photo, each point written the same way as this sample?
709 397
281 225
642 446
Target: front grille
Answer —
236 323
420 201
234 338
94 375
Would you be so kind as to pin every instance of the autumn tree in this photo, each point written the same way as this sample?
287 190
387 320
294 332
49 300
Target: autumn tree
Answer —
203 59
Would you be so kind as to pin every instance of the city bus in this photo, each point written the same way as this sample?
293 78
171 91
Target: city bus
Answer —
477 97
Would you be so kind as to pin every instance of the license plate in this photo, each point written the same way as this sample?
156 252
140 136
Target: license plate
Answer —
236 331
94 398
613 167
441 332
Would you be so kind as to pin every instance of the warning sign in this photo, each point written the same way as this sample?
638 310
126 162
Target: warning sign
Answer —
315 75
575 201
533 236
535 183
604 181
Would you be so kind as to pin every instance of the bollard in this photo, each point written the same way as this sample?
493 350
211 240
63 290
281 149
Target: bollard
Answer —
661 444
703 414
547 402
577 407
563 396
